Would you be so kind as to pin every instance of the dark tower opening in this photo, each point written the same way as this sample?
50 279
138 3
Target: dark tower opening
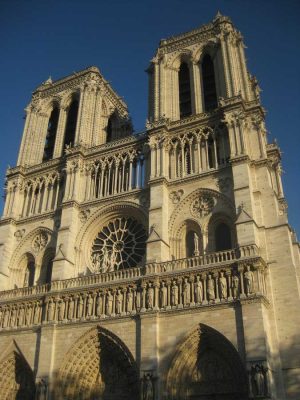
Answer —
185 103
51 135
209 84
71 124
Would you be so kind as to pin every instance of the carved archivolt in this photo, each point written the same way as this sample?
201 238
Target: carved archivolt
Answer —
99 364
34 244
200 206
16 378
30 242
206 364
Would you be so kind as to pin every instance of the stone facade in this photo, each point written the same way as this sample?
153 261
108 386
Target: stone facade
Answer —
158 265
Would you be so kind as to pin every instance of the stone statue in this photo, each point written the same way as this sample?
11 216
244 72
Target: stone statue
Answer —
26 277
80 307
71 308
249 278
138 298
196 244
163 295
150 296
129 300
210 289
109 303
186 295
223 286
198 290
61 310
13 317
259 380
21 316
99 305
89 306
105 260
51 307
174 294
96 260
113 260
235 286
119 301
36 317
5 318
28 314
148 389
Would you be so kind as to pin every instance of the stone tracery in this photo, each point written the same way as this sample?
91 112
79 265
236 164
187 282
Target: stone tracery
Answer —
120 244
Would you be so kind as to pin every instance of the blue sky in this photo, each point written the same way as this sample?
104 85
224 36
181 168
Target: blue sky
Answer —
42 38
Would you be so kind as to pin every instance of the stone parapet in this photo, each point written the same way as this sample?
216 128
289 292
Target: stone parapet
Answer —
219 278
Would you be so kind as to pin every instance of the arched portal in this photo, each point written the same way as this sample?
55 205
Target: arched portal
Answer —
206 366
16 379
99 366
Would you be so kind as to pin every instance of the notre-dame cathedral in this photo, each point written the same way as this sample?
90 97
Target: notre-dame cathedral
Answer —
157 265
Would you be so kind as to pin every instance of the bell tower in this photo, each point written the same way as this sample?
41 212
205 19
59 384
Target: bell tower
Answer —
165 257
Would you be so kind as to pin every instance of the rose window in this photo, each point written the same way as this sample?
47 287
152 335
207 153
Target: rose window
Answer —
202 205
121 244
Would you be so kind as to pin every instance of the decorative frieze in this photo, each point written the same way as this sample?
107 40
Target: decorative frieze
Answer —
169 291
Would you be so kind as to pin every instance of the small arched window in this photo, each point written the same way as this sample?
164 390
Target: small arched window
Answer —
222 237
51 135
185 103
209 84
29 274
71 124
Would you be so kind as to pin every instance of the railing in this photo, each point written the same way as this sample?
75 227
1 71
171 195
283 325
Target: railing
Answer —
221 257
189 287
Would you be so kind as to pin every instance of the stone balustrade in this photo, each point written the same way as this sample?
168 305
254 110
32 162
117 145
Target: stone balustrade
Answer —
171 289
222 257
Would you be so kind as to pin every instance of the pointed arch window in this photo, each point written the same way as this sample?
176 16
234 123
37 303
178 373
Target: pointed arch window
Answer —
185 102
222 237
51 134
209 84
71 124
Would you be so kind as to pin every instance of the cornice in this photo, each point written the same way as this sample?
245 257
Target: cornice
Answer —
197 176
108 199
75 81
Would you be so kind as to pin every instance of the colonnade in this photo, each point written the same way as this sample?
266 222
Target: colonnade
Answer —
113 175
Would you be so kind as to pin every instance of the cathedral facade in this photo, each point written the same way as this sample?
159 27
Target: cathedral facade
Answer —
157 265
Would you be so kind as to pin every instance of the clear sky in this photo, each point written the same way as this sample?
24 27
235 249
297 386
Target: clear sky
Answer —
56 37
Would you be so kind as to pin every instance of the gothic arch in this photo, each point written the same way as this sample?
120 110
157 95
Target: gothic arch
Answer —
184 55
200 206
99 365
34 243
206 365
16 378
69 97
215 220
100 219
